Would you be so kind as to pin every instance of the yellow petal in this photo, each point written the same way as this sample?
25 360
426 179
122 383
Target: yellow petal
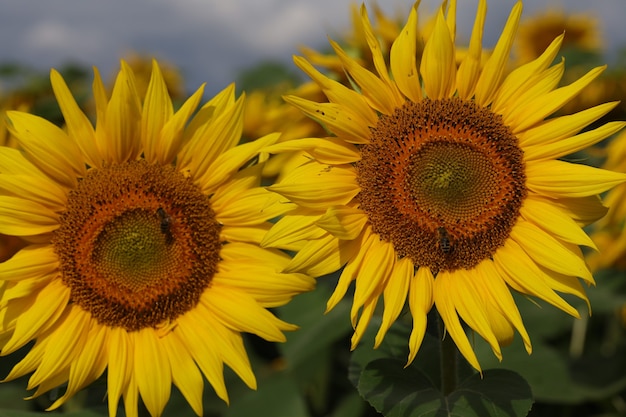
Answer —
444 288
317 186
19 217
332 151
469 301
421 299
375 271
555 222
520 77
521 273
194 335
547 251
41 311
376 92
89 364
343 222
321 256
563 179
172 134
378 58
252 207
78 125
152 370
233 351
362 245
562 127
469 70
120 139
363 321
493 71
438 66
31 262
403 56
228 163
394 296
48 147
120 366
336 92
291 232
185 373
157 110
268 287
218 138
66 342
546 104
36 188
240 312
573 144
336 118
488 279
538 86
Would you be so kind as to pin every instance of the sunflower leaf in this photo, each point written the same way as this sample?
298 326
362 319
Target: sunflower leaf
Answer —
397 391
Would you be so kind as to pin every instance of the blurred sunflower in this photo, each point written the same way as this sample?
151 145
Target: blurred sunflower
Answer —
265 111
9 245
442 184
385 28
608 233
143 256
537 32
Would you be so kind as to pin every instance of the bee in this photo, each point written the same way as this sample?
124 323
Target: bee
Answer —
166 222
444 240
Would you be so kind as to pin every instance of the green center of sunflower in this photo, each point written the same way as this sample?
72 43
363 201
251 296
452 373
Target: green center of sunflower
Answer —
132 251
443 180
138 244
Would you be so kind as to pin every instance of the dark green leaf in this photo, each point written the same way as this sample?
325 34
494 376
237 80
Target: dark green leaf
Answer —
277 397
396 391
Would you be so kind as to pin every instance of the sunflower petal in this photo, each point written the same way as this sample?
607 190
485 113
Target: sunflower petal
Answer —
157 110
469 70
394 296
78 125
403 57
549 252
19 217
421 299
438 66
48 147
185 373
152 371
493 71
573 144
544 105
563 179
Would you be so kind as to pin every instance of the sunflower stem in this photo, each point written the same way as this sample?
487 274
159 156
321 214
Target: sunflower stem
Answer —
448 361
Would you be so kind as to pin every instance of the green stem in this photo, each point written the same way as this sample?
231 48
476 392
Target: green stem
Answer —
448 355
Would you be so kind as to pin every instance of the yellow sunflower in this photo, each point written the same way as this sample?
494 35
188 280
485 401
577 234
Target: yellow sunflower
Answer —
442 184
143 256
537 32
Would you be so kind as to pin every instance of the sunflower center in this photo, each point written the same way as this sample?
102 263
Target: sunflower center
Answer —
443 180
138 244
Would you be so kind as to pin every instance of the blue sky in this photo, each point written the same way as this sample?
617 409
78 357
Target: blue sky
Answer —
212 40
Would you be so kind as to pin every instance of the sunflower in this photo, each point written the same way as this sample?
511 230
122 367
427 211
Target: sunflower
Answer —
143 257
537 32
441 184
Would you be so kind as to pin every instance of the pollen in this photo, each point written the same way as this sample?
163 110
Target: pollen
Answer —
443 181
138 244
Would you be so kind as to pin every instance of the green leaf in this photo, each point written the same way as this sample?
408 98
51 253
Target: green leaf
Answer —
278 396
396 391
318 331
